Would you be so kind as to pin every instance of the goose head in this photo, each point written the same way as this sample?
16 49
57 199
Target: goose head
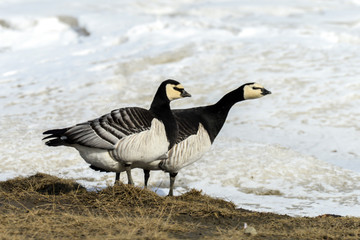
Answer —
254 90
174 90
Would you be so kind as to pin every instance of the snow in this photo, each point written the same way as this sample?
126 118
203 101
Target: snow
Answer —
294 152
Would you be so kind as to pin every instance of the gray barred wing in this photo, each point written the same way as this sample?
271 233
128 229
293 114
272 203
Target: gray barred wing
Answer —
106 131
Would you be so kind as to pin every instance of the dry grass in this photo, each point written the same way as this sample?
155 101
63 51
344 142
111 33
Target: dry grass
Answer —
46 207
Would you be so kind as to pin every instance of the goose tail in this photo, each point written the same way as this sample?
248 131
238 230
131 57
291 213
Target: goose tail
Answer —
56 137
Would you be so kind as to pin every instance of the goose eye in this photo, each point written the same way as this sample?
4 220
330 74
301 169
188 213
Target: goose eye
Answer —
178 89
256 88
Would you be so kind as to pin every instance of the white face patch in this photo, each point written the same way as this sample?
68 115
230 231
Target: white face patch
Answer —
172 93
253 91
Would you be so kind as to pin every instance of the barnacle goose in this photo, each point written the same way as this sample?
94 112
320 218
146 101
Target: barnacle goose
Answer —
198 128
115 140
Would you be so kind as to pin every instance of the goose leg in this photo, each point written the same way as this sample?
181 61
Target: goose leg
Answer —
172 181
117 178
146 177
128 172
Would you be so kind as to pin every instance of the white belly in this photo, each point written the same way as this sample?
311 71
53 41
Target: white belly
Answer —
154 165
188 151
145 146
100 158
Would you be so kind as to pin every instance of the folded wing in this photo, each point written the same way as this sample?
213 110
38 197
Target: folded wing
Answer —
103 132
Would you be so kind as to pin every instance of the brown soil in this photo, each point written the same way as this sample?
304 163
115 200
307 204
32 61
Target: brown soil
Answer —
47 207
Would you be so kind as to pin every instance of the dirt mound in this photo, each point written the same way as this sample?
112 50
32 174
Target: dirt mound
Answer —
47 207
41 183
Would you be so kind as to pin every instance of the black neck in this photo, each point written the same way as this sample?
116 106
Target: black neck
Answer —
227 101
160 107
219 111
160 101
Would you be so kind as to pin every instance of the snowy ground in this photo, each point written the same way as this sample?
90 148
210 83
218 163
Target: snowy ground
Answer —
295 151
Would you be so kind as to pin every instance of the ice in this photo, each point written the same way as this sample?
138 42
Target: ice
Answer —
272 173
293 152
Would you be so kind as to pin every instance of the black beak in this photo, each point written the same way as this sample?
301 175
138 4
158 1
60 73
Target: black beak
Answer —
185 93
265 92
